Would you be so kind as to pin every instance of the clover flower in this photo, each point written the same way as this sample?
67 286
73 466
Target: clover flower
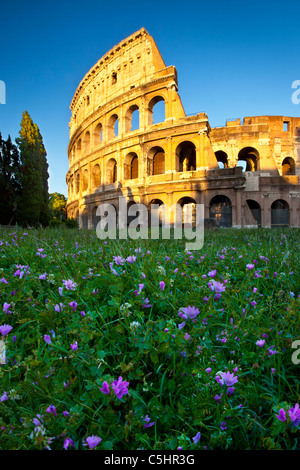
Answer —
93 441
196 438
120 387
227 378
147 423
5 329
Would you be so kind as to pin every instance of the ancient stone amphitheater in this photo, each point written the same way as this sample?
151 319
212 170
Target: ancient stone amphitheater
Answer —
130 137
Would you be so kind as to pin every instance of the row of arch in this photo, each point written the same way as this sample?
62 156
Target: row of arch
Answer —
91 140
185 161
220 210
248 159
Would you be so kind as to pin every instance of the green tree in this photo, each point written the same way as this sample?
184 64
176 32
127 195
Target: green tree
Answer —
9 180
57 205
32 206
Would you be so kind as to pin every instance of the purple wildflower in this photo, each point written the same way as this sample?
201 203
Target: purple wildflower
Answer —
294 414
281 416
260 342
67 443
120 387
228 378
74 346
93 441
196 438
162 285
47 339
105 388
147 423
5 329
51 409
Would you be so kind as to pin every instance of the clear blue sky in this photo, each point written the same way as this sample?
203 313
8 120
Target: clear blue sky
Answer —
234 59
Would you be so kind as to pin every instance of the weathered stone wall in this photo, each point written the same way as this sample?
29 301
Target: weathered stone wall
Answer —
117 149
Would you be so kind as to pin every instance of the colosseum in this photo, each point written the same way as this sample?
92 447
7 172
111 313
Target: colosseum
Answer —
130 137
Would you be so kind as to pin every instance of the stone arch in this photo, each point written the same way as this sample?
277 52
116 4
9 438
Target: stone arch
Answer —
156 113
84 218
113 126
86 142
288 166
132 118
96 176
78 148
152 210
131 166
280 213
222 158
220 209
77 182
255 209
188 205
111 171
85 180
250 158
98 134
186 156
156 161
73 154
95 217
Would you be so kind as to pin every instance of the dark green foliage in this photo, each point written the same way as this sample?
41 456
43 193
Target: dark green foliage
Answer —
9 180
32 203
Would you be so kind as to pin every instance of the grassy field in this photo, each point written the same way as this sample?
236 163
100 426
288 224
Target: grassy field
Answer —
142 345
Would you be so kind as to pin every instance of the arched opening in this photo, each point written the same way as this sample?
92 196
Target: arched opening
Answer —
156 110
188 206
131 166
186 156
248 159
95 217
154 211
111 171
280 213
113 126
255 210
288 166
73 154
85 180
220 209
84 219
86 142
222 158
132 118
78 150
96 176
98 135
77 183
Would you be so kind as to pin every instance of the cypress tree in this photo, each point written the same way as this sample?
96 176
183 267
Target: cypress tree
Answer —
9 180
32 207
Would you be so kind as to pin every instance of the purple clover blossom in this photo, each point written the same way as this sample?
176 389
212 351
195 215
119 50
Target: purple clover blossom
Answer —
218 287
223 426
294 414
118 260
4 397
181 325
162 285
250 266
74 346
69 284
281 416
51 409
93 441
146 303
212 273
6 307
105 388
188 312
43 276
120 387
228 378
47 339
147 422
131 259
260 342
73 305
67 443
196 438
5 329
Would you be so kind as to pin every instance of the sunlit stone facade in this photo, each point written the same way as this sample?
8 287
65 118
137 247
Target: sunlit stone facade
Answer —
130 136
